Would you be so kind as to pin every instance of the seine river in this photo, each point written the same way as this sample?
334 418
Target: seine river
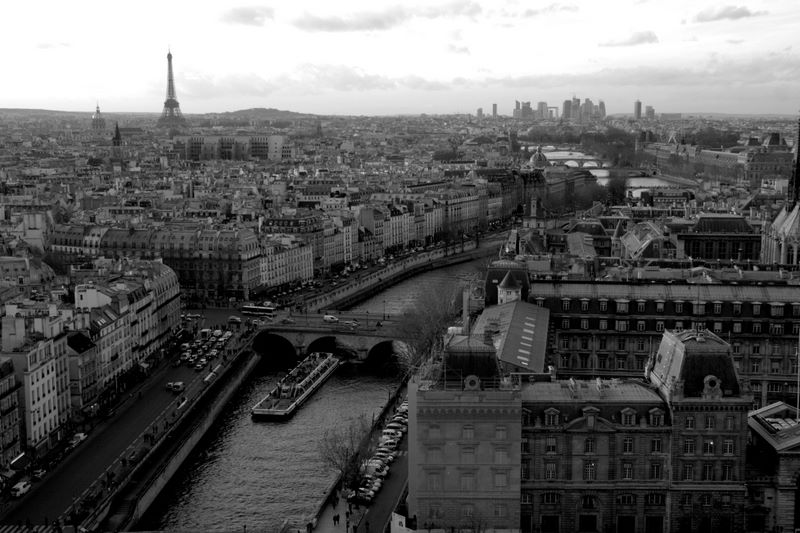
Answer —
260 474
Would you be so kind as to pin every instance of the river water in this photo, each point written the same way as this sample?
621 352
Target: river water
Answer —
259 474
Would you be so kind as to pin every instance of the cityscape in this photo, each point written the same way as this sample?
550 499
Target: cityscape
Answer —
459 294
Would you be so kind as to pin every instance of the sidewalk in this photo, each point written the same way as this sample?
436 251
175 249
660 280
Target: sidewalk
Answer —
345 525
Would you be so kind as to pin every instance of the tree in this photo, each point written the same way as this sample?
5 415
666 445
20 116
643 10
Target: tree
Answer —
423 327
340 449
616 191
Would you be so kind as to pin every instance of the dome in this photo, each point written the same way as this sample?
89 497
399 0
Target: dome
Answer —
538 159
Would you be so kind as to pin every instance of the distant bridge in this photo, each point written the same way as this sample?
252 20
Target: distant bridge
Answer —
310 333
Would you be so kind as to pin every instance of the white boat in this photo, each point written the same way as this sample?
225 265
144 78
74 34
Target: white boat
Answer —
294 389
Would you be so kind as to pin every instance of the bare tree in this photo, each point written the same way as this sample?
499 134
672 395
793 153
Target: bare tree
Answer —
422 328
341 448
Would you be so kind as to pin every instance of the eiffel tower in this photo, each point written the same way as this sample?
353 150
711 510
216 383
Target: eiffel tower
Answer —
171 117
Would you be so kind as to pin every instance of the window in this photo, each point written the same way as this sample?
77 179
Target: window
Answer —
628 417
755 366
565 304
705 499
656 418
655 470
776 329
627 470
589 471
589 502
434 455
775 366
501 457
621 344
551 498
435 511
467 511
688 446
700 308
551 417
603 323
500 433
655 499
689 422
627 445
708 471
467 481
584 344
737 327
756 309
434 432
679 307
500 480
686 498
622 306
737 308
679 325
736 347
589 445
550 471
584 305
434 481
688 472
564 342
660 326
708 447
622 325
710 422
603 306
655 446
756 327
640 325
626 499
468 432
755 348
659 307
526 498
584 323
500 510
730 423
727 472
468 456
550 445
717 327
717 308
565 323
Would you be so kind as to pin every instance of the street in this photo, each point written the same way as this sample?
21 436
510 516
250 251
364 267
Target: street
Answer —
51 497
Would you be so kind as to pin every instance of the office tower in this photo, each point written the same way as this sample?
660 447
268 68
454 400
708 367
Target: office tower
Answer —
637 110
541 110
649 112
566 111
494 110
576 108
479 113
601 109
171 116
517 110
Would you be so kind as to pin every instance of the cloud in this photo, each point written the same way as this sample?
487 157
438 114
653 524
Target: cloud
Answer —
726 12
552 8
249 16
385 19
640 37
455 49
735 41
48 46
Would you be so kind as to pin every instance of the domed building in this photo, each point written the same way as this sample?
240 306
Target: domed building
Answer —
538 159
98 122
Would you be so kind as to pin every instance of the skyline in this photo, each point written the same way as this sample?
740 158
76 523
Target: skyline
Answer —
689 57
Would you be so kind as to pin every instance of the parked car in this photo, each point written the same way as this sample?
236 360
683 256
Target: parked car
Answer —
38 474
76 439
20 488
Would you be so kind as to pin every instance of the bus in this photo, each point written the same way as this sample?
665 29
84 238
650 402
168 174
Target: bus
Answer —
259 310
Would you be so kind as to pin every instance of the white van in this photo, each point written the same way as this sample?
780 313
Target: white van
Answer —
20 488
330 318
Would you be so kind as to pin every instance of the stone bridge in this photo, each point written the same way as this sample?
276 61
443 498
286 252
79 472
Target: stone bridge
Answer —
310 333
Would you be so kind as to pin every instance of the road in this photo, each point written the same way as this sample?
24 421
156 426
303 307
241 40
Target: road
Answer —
51 497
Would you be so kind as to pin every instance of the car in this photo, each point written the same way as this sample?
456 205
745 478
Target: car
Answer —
77 438
199 366
397 426
20 488
287 320
392 434
176 386
389 442
351 323
38 474
330 318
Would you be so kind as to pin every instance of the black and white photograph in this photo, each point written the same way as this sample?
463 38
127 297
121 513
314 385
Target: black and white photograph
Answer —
400 266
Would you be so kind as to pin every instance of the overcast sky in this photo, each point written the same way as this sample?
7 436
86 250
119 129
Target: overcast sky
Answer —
404 56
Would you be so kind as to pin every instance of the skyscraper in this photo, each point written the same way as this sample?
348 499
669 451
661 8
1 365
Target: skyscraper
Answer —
494 110
566 111
601 107
171 116
479 113
649 112
637 110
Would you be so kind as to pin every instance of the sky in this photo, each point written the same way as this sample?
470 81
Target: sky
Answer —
376 57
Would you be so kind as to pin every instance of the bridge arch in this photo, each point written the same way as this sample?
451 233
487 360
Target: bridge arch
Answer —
383 357
277 352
